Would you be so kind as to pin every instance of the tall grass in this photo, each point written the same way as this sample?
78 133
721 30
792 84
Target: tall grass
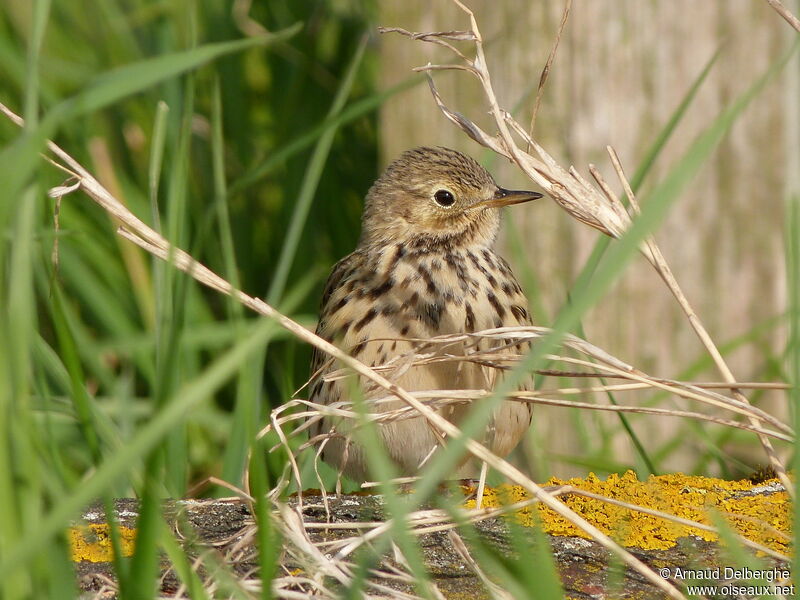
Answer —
119 375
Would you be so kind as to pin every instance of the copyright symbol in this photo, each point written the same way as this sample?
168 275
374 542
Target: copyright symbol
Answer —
664 573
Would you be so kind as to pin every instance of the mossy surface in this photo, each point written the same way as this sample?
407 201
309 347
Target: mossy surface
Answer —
762 516
92 542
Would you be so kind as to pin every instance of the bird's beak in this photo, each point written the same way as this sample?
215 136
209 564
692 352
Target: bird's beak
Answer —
508 197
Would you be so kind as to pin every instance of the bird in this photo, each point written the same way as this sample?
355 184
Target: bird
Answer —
424 265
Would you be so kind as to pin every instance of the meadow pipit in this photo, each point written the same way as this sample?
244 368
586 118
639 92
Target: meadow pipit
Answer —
424 266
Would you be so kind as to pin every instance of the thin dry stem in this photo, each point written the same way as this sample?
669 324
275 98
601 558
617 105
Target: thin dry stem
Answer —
482 348
626 186
784 12
546 69
460 547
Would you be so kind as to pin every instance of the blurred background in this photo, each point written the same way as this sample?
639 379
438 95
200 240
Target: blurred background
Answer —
306 126
621 72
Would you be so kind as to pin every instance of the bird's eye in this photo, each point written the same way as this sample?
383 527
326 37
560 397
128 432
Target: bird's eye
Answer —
444 198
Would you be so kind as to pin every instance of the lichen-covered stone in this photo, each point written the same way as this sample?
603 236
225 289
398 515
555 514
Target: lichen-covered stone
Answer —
761 517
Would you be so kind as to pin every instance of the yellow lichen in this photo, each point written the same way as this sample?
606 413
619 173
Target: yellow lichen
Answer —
92 542
756 517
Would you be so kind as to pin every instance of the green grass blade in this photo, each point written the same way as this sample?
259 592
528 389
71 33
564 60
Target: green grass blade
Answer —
19 485
68 352
145 439
652 153
738 557
142 575
383 470
21 494
85 411
41 11
536 565
310 182
268 542
60 571
645 166
180 562
170 359
156 161
109 88
351 113
245 410
678 178
127 80
221 194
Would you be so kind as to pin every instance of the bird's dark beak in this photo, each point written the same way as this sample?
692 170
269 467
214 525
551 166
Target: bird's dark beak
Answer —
504 197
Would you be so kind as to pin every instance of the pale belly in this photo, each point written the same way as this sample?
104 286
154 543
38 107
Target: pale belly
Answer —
420 299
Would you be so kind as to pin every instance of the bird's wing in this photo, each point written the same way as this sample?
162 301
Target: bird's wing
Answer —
340 271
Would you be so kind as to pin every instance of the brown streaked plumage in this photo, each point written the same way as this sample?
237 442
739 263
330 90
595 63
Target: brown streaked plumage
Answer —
424 266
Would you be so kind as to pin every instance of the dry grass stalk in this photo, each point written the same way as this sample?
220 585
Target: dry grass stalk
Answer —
546 70
784 12
483 348
600 209
460 547
318 561
439 399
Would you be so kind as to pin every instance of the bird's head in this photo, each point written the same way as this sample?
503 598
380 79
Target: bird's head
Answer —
430 196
